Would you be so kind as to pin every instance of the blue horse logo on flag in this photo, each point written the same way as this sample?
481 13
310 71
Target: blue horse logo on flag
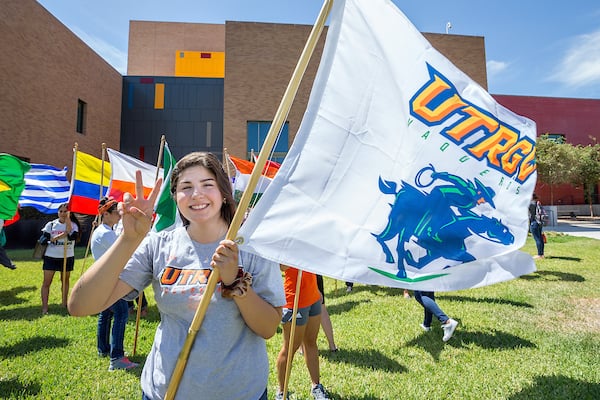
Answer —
439 221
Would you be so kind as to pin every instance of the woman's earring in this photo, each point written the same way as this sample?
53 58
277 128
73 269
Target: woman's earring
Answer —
224 200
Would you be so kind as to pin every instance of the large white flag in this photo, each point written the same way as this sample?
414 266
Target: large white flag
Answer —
404 172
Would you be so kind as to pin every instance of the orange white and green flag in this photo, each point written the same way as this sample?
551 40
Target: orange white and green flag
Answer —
242 176
122 177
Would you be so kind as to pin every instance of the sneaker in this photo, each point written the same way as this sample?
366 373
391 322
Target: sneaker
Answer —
318 392
121 363
425 328
279 396
11 266
449 328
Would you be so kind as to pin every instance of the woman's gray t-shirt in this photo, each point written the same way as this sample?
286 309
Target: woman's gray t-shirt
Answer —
227 359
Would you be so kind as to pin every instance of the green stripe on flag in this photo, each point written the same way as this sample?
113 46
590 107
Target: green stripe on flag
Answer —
166 209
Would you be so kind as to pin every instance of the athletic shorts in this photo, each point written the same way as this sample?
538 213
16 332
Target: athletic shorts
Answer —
302 315
56 264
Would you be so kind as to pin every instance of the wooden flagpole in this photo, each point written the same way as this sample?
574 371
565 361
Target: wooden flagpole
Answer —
226 162
140 299
280 115
64 269
292 334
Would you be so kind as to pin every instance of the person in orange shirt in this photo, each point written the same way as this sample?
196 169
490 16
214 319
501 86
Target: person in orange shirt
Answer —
308 323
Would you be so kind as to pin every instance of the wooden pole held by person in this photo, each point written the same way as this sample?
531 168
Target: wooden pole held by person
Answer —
280 115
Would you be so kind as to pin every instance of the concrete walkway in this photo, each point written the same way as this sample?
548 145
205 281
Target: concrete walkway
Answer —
582 226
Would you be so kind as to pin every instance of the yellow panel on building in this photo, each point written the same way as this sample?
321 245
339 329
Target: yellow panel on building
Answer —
200 64
159 96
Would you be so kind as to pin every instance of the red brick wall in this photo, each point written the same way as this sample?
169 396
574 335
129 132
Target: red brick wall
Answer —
577 119
45 69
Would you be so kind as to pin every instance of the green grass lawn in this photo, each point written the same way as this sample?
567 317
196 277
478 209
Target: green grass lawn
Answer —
537 337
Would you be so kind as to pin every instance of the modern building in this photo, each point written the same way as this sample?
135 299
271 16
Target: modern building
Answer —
204 86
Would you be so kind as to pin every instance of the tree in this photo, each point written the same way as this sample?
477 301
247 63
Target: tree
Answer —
555 162
587 170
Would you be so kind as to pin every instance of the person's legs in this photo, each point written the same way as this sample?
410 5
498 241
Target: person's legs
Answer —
536 232
102 332
325 320
427 300
311 351
286 352
65 287
48 276
327 328
121 314
5 260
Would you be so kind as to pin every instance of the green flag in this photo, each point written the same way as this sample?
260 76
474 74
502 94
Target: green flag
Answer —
12 183
166 209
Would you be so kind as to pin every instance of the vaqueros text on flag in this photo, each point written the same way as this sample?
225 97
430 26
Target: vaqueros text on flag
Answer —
404 172
89 184
12 183
122 178
46 188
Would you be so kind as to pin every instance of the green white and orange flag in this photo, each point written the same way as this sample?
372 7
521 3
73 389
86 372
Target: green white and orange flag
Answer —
242 176
12 183
166 209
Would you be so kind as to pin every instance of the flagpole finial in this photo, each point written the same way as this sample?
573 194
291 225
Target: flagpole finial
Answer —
448 27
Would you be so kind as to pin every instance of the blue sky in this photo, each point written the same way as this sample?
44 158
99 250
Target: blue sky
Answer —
533 47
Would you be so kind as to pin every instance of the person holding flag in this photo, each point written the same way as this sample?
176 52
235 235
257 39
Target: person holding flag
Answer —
110 344
60 234
229 358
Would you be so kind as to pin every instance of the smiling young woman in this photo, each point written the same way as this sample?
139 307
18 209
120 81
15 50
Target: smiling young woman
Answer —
245 308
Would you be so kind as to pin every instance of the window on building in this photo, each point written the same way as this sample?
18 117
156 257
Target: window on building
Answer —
557 137
256 134
81 115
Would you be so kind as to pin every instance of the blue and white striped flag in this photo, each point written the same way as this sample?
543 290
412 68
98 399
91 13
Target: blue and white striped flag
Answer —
46 188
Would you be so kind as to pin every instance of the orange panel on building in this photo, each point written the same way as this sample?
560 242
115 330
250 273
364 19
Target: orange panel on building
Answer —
159 96
200 64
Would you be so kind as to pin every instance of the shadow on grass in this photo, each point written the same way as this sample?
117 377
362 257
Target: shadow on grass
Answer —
373 289
334 309
333 396
433 344
32 313
554 276
31 345
9 297
12 388
558 387
368 359
491 300
577 259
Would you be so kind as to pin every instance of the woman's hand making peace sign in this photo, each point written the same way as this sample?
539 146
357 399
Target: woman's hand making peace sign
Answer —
137 212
